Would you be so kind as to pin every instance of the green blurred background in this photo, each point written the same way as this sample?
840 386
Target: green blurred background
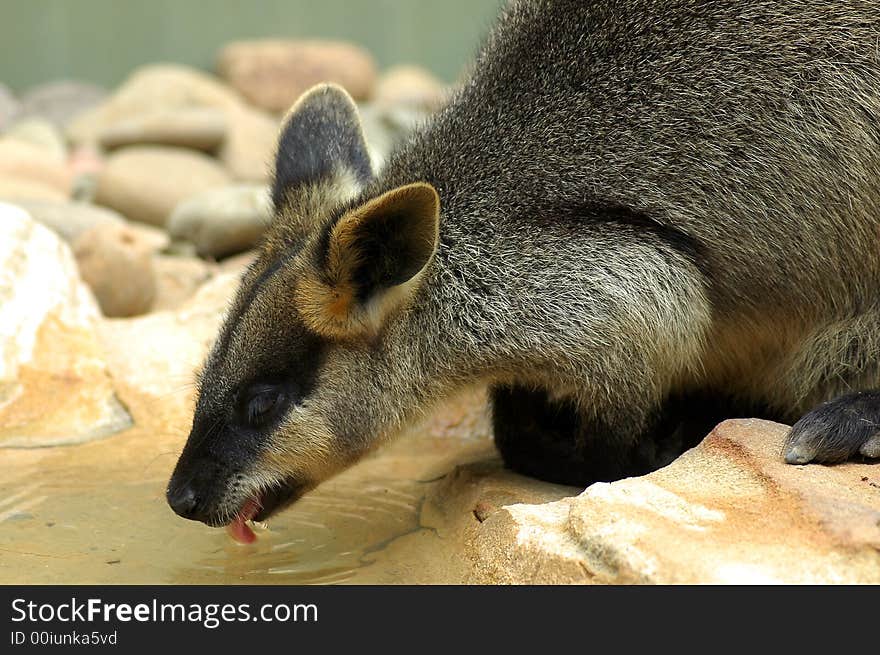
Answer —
103 40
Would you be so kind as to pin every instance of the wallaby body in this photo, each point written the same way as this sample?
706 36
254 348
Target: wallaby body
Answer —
632 214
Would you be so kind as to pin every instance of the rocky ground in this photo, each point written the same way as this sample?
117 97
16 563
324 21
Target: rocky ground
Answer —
125 220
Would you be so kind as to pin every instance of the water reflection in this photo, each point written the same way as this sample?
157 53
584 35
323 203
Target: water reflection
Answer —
95 513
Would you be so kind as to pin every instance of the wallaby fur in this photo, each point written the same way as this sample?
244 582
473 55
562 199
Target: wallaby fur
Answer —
633 213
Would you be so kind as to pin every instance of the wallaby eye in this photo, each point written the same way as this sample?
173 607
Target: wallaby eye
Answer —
263 403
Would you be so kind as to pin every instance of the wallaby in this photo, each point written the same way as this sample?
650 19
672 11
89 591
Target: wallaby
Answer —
636 218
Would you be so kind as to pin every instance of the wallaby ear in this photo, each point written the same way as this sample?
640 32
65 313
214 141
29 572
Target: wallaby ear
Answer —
371 262
321 143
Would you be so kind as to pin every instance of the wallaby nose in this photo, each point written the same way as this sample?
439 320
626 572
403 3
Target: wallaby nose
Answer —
183 500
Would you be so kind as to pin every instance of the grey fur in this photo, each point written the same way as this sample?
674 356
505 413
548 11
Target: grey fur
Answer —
638 199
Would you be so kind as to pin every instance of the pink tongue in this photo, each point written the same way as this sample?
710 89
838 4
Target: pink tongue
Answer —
239 529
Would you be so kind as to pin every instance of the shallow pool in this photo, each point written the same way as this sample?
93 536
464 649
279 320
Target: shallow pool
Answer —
96 513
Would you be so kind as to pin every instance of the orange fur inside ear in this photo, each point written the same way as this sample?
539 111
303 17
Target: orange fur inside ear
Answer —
325 309
330 307
341 306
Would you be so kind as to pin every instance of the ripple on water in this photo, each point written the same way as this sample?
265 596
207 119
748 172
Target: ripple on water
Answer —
329 536
96 513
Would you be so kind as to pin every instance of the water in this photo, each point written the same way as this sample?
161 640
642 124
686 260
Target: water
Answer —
95 513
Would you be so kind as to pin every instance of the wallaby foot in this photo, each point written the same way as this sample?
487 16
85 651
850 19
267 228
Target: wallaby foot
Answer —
836 431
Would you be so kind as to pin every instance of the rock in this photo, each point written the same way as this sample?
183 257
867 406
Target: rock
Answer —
86 160
31 163
14 189
152 239
181 249
118 267
54 384
406 97
69 219
249 148
222 221
41 133
201 128
151 89
728 511
157 355
410 87
61 101
272 74
8 107
464 415
154 92
145 183
178 279
85 164
380 135
385 128
237 263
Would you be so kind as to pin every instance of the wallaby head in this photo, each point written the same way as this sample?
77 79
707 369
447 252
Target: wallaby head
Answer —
305 375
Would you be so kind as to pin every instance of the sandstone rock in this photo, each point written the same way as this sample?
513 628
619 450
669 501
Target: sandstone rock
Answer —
60 101
54 385
410 87
462 416
201 128
145 183
118 267
15 189
156 355
272 74
727 511
178 279
222 221
150 89
70 219
249 148
41 133
8 106
26 161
